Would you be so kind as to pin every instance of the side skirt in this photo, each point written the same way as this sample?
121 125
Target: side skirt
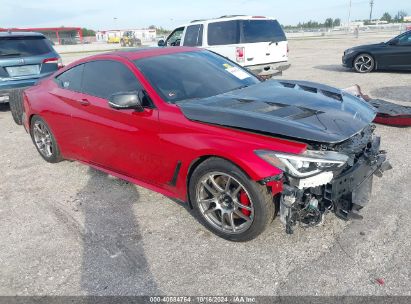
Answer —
134 181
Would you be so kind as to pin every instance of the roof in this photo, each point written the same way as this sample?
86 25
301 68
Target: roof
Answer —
20 34
133 54
230 17
138 53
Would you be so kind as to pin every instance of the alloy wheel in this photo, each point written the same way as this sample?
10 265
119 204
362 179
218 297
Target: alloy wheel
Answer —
42 139
224 202
364 63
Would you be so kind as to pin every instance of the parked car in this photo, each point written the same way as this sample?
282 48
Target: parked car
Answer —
69 41
392 55
196 127
24 59
255 42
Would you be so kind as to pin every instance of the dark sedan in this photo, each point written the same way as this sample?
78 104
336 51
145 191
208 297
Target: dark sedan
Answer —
392 55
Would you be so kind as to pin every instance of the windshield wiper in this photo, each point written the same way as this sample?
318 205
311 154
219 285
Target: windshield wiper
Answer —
10 54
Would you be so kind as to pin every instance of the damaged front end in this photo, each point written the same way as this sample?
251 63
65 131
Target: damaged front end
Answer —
331 177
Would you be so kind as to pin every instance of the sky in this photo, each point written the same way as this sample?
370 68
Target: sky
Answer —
121 14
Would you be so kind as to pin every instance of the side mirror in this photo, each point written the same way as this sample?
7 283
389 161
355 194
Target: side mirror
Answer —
127 100
161 42
393 41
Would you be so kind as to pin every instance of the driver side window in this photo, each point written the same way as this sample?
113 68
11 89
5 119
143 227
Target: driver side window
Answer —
405 40
103 78
175 37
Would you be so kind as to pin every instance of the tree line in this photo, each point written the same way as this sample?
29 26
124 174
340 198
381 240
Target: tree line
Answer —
398 17
328 23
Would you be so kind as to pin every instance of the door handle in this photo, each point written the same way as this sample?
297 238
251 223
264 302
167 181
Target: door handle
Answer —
83 101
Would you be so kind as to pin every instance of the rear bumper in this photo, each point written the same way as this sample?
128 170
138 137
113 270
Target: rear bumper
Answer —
6 87
268 69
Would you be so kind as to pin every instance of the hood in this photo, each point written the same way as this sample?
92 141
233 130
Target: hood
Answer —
295 109
367 46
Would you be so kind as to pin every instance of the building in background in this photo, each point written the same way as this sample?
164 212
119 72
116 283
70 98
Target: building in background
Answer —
59 35
113 36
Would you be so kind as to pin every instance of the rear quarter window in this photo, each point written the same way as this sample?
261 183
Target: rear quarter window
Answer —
225 32
23 46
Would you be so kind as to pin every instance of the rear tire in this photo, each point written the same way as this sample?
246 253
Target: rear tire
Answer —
222 209
16 105
44 140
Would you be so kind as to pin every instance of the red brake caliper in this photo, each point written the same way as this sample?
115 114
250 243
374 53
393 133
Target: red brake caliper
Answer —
244 200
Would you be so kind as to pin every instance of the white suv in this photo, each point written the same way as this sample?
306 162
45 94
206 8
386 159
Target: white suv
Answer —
255 42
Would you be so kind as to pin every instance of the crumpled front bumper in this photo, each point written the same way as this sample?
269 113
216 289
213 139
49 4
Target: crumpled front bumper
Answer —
351 190
344 192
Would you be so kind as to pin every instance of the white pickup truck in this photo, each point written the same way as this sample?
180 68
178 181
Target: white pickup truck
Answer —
255 42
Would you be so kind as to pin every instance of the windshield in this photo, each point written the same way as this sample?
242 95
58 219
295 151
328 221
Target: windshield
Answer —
193 75
23 46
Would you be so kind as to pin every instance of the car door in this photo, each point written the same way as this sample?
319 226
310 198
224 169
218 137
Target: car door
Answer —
123 141
67 96
193 36
397 54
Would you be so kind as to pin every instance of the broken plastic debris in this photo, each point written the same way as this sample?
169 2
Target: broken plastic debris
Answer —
388 113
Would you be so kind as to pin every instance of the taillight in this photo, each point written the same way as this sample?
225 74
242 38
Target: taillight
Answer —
240 54
57 61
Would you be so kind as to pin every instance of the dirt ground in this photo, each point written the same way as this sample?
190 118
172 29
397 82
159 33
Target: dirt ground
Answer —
67 229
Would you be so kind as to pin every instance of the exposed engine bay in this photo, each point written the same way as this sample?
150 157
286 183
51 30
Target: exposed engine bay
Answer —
341 189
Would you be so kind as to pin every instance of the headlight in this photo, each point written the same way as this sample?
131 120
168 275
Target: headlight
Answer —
306 164
349 51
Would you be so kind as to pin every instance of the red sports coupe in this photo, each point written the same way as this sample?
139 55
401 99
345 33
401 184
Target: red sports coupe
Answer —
197 127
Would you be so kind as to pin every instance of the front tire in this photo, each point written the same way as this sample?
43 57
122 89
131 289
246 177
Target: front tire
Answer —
16 105
228 203
364 63
44 140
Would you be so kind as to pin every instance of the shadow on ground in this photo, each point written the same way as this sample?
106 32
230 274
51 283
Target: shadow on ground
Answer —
333 68
114 262
4 107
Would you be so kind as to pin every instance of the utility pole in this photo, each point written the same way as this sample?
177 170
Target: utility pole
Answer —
349 17
371 6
